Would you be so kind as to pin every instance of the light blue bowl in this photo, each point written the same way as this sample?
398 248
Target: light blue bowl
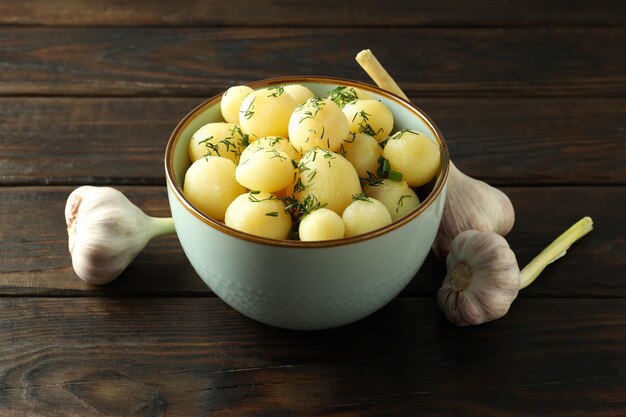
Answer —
305 285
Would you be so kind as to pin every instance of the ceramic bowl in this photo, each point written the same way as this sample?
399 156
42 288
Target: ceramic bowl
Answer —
305 285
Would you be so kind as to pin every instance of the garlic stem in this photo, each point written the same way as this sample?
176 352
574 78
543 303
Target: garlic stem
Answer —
161 226
378 73
554 251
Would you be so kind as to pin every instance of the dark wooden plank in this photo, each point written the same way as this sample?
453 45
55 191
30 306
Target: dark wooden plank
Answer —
201 62
34 258
193 357
65 140
320 13
87 140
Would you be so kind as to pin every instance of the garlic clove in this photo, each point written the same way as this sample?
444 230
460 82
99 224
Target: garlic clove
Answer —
106 232
471 205
482 281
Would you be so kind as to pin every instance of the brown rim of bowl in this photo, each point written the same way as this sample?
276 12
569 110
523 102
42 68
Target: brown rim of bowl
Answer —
178 192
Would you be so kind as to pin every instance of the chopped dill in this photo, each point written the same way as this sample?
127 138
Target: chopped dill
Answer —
313 105
252 196
249 112
343 95
384 170
277 91
300 209
364 126
372 179
276 154
400 202
361 197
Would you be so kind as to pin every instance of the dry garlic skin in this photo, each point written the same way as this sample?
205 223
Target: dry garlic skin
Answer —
266 112
321 224
343 95
211 186
414 155
231 102
363 152
265 169
299 93
397 196
275 142
317 123
217 139
260 214
364 215
369 116
329 177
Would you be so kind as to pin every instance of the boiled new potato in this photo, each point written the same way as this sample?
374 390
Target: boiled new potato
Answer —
363 151
343 95
317 123
275 142
369 116
321 224
217 139
299 93
397 196
363 215
211 186
265 169
329 177
231 102
266 112
414 155
260 214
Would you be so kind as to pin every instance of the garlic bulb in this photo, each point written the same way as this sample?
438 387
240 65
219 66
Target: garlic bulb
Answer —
484 278
471 205
106 232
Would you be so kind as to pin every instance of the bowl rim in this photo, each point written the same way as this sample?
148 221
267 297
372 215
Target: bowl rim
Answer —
444 169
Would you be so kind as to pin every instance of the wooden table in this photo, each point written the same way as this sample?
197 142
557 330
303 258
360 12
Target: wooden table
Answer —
531 97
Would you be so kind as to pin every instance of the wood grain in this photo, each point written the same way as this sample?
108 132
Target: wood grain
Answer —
534 62
192 357
319 13
34 258
63 140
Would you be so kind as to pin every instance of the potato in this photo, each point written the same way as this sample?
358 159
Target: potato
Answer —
266 112
399 199
260 214
363 215
217 139
299 93
414 155
329 177
317 123
231 102
363 151
210 185
321 224
343 95
265 169
275 142
369 116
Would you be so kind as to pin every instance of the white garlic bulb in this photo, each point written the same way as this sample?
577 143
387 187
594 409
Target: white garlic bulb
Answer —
106 232
471 204
482 280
